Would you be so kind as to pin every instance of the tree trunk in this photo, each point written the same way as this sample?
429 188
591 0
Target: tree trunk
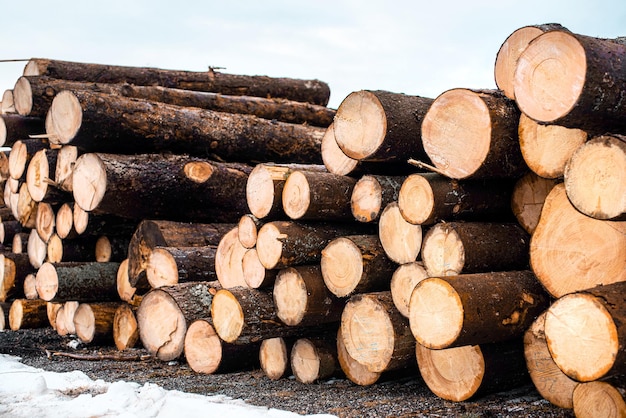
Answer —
94 322
472 309
168 266
403 281
165 313
401 240
314 359
585 352
98 122
254 273
159 186
381 126
274 356
599 399
451 248
356 372
311 91
356 264
16 127
26 313
84 282
570 251
529 194
573 80
372 193
473 134
385 342
301 298
428 198
595 178
125 327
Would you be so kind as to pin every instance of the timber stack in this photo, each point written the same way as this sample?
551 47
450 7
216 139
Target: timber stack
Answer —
238 222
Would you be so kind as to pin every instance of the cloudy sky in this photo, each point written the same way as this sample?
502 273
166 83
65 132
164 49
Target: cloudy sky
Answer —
402 46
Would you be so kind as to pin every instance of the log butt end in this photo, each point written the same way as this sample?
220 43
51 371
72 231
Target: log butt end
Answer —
416 199
162 325
342 266
228 316
203 348
290 296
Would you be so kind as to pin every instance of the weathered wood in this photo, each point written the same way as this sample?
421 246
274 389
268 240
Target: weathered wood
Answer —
125 327
599 399
372 193
401 240
98 122
168 266
84 282
94 322
471 309
314 359
473 134
313 91
274 357
403 281
570 251
26 313
529 195
15 127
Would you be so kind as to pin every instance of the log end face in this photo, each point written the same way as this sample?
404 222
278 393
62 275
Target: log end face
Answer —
23 96
305 361
290 296
16 315
354 371
403 281
260 192
228 316
296 195
125 327
162 269
401 240
64 118
366 199
84 323
162 325
443 252
416 200
334 159
269 245
342 266
203 348
274 358
89 181
47 281
598 399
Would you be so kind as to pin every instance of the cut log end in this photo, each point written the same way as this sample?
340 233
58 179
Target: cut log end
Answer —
38 175
162 269
334 159
366 199
356 372
269 245
416 199
47 281
124 288
162 325
296 195
248 231
598 399
274 357
89 181
529 194
203 348
198 171
23 96
403 281
443 252
342 266
400 239
260 192
228 316
290 296
125 327
64 117
85 323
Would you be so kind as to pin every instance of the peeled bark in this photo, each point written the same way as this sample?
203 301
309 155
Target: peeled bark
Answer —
84 282
401 240
529 194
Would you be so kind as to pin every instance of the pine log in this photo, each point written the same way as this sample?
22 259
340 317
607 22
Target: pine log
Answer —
64 321
549 380
274 357
451 248
168 266
300 297
98 122
9 229
283 244
64 221
125 327
165 313
356 372
473 134
14 269
573 80
26 208
570 251
45 221
381 126
30 286
462 373
586 332
127 292
64 169
400 239
206 353
403 281
376 334
159 186
529 195
111 248
90 223
356 264
254 273
547 148
80 249
509 52
311 91
94 322
36 249
4 315
427 198
26 313
229 260
40 178
372 193
247 228
318 196
22 151
53 309
595 178
16 127
314 359
7 105
473 309
599 399
84 282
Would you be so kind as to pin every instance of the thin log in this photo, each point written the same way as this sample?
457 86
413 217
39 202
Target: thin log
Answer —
168 266
30 286
36 249
254 273
401 240
372 193
64 169
9 229
7 105
14 127
53 309
15 268
529 195
26 313
40 178
22 151
85 282
314 359
94 322
274 357
26 208
247 228
403 281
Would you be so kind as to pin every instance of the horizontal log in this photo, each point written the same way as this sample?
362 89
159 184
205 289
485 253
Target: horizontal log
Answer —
401 240
85 282
274 357
125 327
314 359
529 195
15 127
94 322
26 313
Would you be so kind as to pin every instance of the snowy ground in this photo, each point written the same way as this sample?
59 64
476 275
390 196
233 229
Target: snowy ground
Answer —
29 392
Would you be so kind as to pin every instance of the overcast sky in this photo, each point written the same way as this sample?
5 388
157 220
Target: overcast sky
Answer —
401 46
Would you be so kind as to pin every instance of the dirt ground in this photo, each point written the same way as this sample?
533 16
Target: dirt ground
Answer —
399 396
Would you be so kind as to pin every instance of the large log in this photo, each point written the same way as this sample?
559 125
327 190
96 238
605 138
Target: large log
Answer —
401 240
586 332
16 127
570 251
98 122
313 91
168 266
573 80
372 193
473 134
153 186
84 282
599 399
94 322
529 194
473 309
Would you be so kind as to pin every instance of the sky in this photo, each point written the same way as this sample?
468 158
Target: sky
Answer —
30 392
403 46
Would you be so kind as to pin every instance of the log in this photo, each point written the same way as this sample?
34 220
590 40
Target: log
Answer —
94 322
274 357
206 353
80 249
254 273
30 286
400 239
428 198
84 282
595 178
549 380
381 125
168 266
4 162
314 359
14 127
283 244
570 251
473 134
40 178
311 91
21 153
229 260
125 327
69 311
586 332
98 122
462 373
90 223
247 228
26 314
300 297
153 186
599 399
9 228
547 148
127 292
376 334
451 248
356 264
165 314
36 249
45 221
354 371
403 281
26 208
4 315
53 309
64 221
64 169
573 80
529 195
473 309
14 269
509 52
318 196
372 193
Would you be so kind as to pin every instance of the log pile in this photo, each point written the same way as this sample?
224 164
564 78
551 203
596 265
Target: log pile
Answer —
470 238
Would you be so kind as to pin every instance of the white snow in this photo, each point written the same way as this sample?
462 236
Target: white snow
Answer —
30 392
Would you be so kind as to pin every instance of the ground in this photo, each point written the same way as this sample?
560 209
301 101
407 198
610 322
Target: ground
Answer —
397 396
